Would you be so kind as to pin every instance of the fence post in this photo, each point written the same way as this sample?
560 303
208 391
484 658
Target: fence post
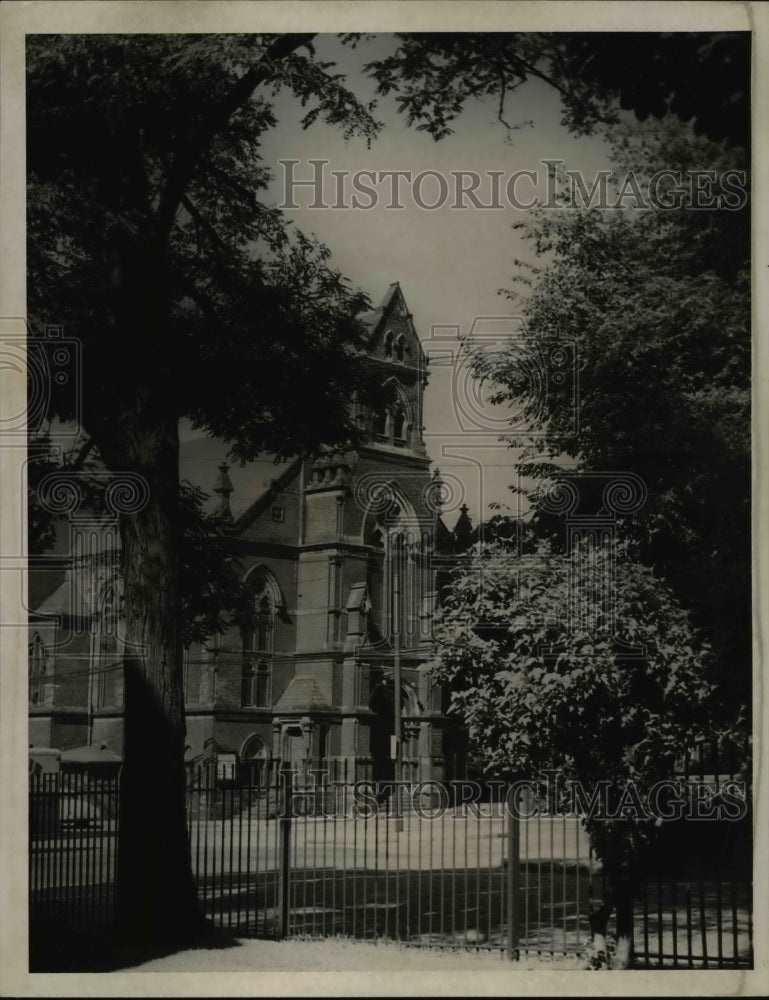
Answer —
513 872
284 850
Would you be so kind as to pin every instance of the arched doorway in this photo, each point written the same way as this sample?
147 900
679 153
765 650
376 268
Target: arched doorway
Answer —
254 762
382 704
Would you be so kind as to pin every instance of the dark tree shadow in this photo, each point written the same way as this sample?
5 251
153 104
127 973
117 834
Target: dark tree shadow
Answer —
56 947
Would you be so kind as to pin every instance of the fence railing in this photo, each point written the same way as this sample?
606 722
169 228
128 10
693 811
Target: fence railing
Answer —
314 857
73 824
701 923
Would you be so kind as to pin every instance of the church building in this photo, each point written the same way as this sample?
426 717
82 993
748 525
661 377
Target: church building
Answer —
339 555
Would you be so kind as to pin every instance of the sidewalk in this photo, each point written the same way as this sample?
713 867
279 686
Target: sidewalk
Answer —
340 955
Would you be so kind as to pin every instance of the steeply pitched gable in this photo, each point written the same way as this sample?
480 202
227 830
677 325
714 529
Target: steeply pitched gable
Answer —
389 324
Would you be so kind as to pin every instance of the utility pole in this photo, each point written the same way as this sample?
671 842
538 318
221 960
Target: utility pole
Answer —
397 725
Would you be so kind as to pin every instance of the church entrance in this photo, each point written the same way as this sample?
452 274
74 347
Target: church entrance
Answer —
382 730
382 703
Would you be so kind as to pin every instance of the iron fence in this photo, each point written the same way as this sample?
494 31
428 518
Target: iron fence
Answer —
695 906
696 923
301 855
343 859
73 823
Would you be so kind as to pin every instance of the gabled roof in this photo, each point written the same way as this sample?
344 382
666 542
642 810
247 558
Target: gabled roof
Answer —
302 695
261 503
373 317
200 458
376 319
63 604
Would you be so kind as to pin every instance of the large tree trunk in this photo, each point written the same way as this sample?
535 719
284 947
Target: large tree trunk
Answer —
156 894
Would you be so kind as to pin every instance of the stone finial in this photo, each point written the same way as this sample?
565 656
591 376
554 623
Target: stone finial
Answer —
223 486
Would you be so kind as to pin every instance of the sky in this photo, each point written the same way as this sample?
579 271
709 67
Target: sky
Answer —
450 263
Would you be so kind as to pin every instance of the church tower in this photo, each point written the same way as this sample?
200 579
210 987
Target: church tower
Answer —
364 568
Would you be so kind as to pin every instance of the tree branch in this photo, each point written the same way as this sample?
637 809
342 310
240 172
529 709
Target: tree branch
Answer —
187 156
203 223
527 68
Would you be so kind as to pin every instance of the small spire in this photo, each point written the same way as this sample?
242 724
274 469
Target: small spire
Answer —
463 530
223 486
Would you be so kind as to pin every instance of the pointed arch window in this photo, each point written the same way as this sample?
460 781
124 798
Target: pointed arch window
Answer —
264 625
37 663
381 423
395 550
258 646
392 424
256 683
400 348
399 426
388 344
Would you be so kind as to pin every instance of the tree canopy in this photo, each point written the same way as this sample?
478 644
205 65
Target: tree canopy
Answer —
612 693
656 303
611 698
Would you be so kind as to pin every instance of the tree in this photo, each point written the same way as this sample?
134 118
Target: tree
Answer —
657 307
147 242
610 697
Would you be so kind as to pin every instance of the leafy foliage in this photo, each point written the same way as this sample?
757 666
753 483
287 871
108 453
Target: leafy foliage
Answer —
211 584
698 77
601 700
657 304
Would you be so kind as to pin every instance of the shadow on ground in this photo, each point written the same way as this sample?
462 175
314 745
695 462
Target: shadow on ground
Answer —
56 947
